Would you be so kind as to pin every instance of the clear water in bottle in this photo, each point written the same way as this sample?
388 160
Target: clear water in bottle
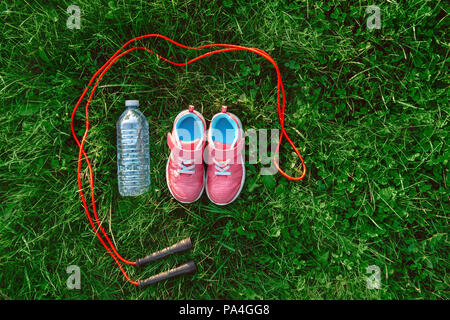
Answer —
133 154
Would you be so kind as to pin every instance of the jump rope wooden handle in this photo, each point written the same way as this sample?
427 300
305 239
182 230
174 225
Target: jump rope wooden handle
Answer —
188 267
180 246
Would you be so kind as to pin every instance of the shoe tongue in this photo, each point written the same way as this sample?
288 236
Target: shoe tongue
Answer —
189 145
221 146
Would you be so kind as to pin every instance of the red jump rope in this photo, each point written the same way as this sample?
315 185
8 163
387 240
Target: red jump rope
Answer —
185 244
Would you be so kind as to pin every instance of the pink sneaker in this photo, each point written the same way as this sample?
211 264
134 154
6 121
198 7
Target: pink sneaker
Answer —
184 171
226 170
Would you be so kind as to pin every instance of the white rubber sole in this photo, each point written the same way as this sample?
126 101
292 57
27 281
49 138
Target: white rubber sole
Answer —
243 172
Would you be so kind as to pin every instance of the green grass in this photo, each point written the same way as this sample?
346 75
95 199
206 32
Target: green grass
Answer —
367 108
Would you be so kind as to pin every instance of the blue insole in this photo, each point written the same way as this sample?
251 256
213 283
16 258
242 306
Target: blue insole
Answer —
226 132
189 129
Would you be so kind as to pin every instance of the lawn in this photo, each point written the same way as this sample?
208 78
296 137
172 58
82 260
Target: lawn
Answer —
368 109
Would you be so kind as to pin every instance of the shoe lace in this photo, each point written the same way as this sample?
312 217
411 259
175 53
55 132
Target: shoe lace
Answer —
186 166
222 167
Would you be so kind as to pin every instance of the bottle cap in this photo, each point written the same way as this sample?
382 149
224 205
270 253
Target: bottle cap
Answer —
132 103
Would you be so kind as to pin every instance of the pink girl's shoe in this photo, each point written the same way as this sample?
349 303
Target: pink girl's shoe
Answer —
184 171
226 170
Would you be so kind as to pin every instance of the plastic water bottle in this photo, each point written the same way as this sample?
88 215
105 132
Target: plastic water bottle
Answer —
133 154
